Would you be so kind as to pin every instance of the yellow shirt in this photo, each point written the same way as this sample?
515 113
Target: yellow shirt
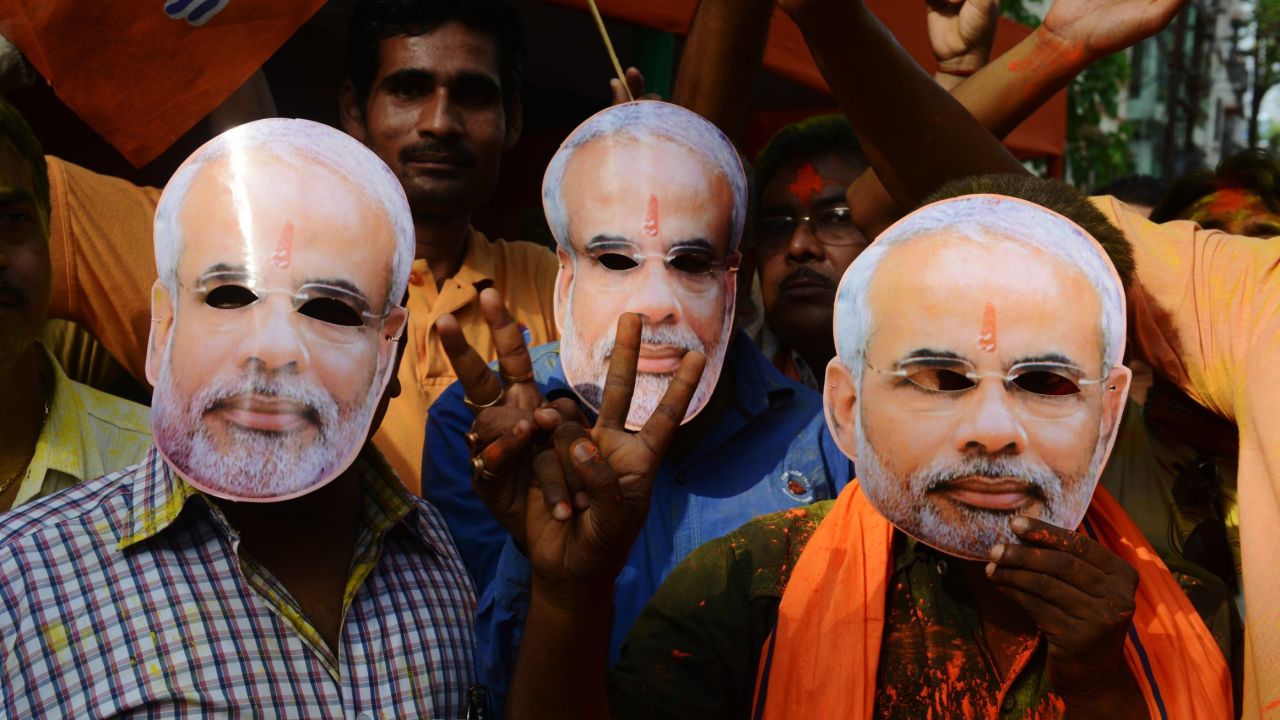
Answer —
87 435
523 273
1205 311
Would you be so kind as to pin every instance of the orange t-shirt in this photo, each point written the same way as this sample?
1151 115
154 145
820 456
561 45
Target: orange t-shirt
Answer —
1205 313
104 265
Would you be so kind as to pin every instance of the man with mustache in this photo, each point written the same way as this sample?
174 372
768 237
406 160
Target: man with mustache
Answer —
263 559
951 381
433 88
55 432
647 201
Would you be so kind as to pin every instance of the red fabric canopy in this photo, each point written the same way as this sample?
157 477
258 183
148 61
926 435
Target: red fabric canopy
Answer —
1042 135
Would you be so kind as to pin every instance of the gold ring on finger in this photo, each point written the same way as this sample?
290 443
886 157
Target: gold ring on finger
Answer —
480 406
515 379
479 471
473 440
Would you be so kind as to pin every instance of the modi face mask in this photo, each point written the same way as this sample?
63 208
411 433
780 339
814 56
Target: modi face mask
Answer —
283 248
978 374
646 201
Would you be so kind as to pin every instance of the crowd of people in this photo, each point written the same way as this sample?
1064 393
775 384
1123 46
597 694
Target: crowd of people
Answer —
873 424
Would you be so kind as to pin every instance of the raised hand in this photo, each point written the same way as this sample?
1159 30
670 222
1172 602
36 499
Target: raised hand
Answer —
1081 595
961 33
610 469
1098 28
635 83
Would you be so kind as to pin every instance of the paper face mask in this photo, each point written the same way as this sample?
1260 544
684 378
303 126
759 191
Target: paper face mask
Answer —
978 374
646 201
282 248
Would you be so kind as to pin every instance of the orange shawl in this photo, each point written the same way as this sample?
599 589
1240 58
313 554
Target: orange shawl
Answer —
831 620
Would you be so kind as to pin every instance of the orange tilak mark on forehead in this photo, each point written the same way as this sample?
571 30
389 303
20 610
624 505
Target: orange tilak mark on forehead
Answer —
284 248
807 183
651 217
987 337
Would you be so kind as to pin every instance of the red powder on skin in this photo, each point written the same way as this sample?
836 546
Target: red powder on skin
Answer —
678 655
987 337
1229 200
284 248
651 217
807 183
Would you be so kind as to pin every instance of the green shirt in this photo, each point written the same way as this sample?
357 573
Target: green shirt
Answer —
695 650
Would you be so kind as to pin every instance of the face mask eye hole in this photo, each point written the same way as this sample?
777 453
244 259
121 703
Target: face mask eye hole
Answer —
334 312
691 263
230 297
1047 383
940 380
617 262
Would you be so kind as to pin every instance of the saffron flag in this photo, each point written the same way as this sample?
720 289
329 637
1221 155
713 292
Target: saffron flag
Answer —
143 72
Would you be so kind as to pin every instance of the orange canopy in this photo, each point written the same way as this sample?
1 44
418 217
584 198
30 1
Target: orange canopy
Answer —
1042 135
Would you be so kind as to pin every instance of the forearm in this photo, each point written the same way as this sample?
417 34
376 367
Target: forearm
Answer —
915 135
563 659
721 61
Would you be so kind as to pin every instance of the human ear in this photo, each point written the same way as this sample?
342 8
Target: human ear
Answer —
840 405
564 281
515 124
350 112
161 329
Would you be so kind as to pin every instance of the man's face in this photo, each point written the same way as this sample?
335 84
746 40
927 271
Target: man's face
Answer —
802 263
24 258
257 399
650 225
1235 211
950 461
435 116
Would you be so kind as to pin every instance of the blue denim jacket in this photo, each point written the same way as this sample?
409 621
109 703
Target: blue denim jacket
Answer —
769 450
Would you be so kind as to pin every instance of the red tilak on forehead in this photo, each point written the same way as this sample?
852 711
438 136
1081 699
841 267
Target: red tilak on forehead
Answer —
1229 200
284 247
807 183
987 337
651 217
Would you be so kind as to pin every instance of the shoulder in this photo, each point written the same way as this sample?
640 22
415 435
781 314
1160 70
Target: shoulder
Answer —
89 513
124 415
767 548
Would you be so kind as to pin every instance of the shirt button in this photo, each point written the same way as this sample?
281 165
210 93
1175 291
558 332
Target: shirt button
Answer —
1007 705
365 716
941 567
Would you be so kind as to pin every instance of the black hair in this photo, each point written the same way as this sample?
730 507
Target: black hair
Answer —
1255 170
1134 189
17 133
1056 196
805 140
373 21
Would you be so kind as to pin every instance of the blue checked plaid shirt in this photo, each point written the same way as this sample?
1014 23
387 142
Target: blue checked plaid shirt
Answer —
126 596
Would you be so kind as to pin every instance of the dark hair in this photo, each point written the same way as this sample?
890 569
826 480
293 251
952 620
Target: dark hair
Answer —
1134 189
1255 170
373 21
805 140
15 130
1056 196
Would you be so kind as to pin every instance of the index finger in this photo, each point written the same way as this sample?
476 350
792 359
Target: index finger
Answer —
508 340
479 383
1043 534
621 380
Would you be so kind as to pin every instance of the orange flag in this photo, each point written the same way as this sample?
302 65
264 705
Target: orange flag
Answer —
143 72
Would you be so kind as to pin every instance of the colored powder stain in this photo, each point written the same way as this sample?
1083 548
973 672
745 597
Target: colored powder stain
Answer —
1230 200
1272 705
807 183
284 248
678 655
796 513
987 338
651 217
55 635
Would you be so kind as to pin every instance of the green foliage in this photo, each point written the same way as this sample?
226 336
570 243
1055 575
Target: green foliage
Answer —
1094 156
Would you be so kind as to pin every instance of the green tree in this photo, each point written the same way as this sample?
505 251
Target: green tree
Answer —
1094 156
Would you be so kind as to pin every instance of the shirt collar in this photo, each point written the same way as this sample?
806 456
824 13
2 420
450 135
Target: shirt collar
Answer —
61 445
478 265
160 495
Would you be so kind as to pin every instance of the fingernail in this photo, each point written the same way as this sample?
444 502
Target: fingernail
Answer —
991 569
997 552
584 451
561 511
1019 524
522 427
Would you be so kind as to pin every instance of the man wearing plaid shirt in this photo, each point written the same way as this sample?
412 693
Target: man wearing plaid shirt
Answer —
264 560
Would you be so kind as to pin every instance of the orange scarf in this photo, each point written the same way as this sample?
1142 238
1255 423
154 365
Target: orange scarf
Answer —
831 620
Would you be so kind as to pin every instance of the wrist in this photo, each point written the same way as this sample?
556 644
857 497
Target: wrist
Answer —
572 599
1052 52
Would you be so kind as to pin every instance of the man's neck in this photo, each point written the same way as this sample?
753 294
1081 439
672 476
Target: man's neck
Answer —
307 544
442 242
23 416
